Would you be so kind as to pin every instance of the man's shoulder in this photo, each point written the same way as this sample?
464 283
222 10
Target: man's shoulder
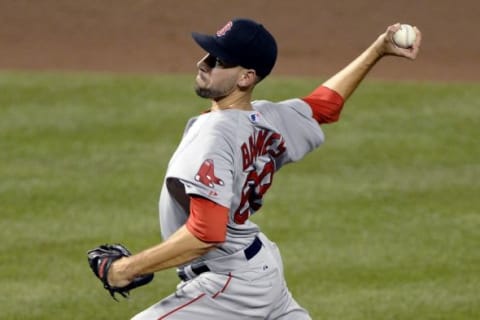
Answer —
285 109
267 105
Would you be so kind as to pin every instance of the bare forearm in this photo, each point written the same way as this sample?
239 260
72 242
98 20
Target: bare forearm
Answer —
347 80
180 248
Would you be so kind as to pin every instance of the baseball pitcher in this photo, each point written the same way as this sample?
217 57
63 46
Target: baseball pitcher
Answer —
219 174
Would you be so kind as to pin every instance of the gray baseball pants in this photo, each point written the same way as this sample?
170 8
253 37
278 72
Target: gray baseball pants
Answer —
234 288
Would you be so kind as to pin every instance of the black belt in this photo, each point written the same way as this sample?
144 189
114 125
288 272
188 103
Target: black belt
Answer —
200 268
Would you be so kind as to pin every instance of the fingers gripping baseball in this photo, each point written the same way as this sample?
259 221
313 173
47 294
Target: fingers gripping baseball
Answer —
387 44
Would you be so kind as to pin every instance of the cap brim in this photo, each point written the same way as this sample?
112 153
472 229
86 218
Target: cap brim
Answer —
211 45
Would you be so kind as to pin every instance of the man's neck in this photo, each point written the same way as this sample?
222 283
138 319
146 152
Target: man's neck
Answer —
237 100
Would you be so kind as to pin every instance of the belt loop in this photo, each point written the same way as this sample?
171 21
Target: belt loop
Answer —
186 273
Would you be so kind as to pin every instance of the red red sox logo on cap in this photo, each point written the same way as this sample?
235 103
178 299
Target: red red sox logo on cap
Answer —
225 29
206 174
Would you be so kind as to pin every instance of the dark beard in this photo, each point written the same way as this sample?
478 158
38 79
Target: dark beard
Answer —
209 93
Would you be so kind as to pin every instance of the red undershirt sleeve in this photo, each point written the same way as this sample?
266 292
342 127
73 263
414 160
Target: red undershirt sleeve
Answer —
326 104
208 220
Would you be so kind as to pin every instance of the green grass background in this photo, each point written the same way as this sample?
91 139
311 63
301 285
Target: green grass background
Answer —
382 222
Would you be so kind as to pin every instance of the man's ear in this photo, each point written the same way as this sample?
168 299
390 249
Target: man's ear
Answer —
248 78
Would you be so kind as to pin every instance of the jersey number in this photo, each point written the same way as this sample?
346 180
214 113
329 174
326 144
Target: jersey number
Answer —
256 185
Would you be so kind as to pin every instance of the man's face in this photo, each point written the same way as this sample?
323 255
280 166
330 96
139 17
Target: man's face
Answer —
215 79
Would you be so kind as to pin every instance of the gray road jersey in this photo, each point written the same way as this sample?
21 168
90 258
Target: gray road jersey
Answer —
230 157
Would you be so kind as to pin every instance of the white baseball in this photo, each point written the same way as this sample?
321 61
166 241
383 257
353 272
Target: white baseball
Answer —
405 36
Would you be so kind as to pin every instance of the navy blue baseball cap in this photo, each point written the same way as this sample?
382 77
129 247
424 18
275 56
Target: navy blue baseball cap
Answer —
242 42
